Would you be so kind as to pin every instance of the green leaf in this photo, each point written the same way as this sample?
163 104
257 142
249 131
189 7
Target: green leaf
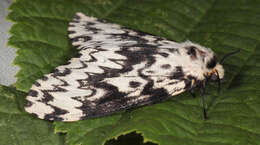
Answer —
40 34
19 128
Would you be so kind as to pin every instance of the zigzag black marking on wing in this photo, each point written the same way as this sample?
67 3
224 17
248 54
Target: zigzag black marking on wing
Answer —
48 97
107 52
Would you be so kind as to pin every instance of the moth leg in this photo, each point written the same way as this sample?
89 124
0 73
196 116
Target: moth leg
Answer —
192 91
203 94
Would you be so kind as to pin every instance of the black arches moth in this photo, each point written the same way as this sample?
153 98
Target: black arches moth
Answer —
118 68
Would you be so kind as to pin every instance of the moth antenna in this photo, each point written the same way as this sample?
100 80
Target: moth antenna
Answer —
227 55
219 83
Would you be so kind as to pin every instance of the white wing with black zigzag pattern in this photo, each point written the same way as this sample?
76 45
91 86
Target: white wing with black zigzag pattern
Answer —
116 68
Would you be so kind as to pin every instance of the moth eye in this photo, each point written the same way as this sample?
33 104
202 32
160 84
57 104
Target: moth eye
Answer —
212 63
191 51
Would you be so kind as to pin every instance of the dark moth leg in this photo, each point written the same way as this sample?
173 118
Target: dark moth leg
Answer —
192 92
203 88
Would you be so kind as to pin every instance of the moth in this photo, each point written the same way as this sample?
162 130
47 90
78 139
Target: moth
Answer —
117 68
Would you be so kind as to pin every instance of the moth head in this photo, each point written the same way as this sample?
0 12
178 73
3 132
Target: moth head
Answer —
215 70
206 59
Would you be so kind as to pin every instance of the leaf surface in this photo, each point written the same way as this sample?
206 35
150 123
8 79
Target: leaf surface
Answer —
40 34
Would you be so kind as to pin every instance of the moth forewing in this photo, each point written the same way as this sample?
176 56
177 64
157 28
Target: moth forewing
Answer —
117 68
